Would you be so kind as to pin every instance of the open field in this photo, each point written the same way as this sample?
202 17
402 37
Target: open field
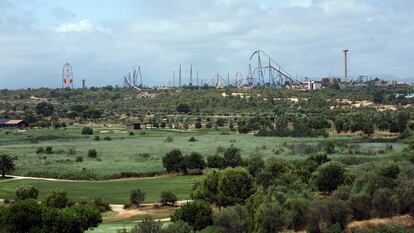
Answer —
114 192
140 154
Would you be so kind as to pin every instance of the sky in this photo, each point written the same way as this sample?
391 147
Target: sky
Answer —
104 39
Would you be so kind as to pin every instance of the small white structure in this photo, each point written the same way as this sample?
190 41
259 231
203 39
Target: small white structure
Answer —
313 85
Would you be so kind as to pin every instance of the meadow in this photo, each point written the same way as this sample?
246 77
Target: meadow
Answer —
140 154
114 192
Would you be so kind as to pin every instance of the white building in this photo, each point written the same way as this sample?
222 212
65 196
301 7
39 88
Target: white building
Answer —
313 85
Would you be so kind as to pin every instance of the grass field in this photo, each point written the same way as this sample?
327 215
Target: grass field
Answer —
114 192
138 154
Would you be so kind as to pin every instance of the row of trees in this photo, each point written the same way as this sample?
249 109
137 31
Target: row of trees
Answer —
55 215
175 161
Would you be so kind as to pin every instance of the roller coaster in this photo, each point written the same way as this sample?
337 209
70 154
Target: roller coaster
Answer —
262 71
132 77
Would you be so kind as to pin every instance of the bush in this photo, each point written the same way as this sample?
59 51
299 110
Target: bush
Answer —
101 205
79 159
195 161
173 161
178 227
192 139
197 214
168 198
216 161
323 214
361 205
97 138
406 202
26 192
232 157
92 153
234 219
270 218
197 125
107 138
40 150
329 176
411 159
49 150
297 212
169 139
56 199
87 130
137 197
391 171
382 204
131 133
147 225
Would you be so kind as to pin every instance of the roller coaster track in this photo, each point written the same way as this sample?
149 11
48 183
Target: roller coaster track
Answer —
131 81
273 70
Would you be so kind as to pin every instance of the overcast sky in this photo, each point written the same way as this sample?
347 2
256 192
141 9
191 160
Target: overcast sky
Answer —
103 39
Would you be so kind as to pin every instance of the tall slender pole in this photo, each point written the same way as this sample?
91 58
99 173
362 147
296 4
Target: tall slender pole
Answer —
179 77
191 74
197 78
346 63
173 78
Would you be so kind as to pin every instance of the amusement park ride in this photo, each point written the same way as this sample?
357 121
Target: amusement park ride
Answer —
131 78
262 71
67 76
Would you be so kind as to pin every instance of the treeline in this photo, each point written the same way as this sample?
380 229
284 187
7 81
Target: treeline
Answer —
109 103
315 194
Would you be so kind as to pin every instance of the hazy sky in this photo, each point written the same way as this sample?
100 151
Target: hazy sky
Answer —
103 39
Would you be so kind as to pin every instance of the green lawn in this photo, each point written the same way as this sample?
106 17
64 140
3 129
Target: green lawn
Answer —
138 154
114 192
124 153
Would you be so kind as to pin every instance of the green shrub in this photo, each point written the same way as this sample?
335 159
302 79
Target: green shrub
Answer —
329 176
192 139
79 159
92 153
107 138
87 130
131 133
382 204
168 198
56 199
178 227
101 205
234 219
40 150
197 214
169 139
97 138
49 150
137 197
26 192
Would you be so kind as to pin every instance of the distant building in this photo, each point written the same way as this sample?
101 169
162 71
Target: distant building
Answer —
330 82
133 126
313 85
7 123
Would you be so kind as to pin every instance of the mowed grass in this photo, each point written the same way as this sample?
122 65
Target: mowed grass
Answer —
124 153
114 192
